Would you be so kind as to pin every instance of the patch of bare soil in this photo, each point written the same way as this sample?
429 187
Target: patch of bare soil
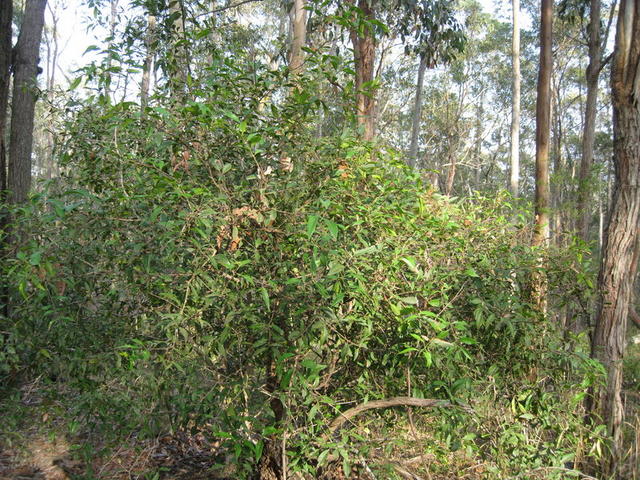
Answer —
174 457
37 459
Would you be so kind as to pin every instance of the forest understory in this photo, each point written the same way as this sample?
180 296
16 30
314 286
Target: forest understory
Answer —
300 240
44 442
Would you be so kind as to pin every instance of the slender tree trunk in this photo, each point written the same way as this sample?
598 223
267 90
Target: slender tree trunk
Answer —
364 52
6 16
53 52
514 179
417 113
451 173
543 122
148 61
178 74
51 77
298 16
600 224
25 67
559 161
113 20
477 148
588 134
617 268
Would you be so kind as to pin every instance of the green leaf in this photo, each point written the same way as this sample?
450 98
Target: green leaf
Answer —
34 258
312 223
254 138
286 379
411 263
265 297
335 268
231 115
409 300
333 229
427 358
470 272
154 214
407 350
45 353
322 457
365 251
74 84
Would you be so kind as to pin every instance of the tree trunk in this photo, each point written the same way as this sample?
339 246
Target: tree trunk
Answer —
364 52
179 61
514 179
53 52
417 113
559 161
113 21
617 269
298 16
451 173
477 147
149 42
588 134
543 121
272 464
25 68
6 16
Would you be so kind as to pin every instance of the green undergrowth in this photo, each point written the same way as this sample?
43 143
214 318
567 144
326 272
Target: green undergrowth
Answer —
223 270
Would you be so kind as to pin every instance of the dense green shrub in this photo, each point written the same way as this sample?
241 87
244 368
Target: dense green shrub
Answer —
213 263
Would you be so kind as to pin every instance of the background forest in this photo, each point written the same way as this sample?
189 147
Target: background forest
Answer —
319 239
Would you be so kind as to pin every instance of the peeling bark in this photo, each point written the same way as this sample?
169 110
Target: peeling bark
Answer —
618 268
364 53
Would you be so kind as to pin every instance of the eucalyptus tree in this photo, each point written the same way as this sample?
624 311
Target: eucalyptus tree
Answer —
298 16
597 40
150 46
6 16
430 24
179 52
566 124
438 40
514 175
619 262
25 71
543 123
466 107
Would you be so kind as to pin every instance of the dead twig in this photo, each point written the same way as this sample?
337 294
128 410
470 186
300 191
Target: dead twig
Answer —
391 402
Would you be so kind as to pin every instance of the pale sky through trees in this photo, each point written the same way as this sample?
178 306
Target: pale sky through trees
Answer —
76 33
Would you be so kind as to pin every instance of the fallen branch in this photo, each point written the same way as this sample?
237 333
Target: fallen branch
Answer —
391 402
405 473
